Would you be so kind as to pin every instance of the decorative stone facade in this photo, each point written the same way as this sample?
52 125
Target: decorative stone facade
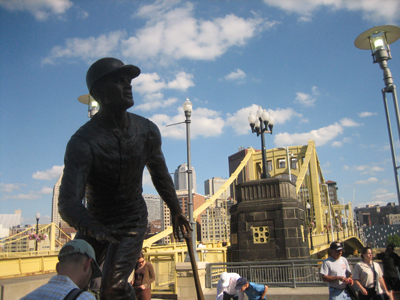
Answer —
268 222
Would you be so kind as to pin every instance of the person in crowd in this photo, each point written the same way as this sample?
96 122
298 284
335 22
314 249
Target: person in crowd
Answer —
104 163
144 277
390 262
76 267
368 277
253 291
226 287
335 270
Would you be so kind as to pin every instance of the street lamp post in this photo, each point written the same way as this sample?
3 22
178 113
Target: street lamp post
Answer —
93 105
260 124
37 229
345 217
378 39
329 207
327 226
288 156
308 206
187 108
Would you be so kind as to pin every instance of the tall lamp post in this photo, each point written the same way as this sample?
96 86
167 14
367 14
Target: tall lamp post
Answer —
345 217
93 105
187 108
327 225
378 39
288 156
308 206
37 229
329 207
260 123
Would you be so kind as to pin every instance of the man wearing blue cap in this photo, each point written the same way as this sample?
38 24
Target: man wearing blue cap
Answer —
76 267
104 162
253 291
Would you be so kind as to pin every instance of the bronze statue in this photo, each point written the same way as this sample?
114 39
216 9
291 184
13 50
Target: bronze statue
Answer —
104 161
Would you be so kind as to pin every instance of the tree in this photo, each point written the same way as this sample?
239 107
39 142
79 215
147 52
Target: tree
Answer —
394 240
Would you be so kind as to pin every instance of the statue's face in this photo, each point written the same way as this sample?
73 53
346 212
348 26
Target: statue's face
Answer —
116 91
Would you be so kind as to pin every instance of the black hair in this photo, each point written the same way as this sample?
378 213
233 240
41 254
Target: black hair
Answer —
364 251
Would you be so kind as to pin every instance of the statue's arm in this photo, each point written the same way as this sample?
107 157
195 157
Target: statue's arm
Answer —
77 164
163 182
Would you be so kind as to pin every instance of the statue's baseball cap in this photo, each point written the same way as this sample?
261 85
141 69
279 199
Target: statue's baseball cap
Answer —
106 66
83 247
240 282
336 246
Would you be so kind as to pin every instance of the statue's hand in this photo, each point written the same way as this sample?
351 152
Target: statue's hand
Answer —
101 233
179 222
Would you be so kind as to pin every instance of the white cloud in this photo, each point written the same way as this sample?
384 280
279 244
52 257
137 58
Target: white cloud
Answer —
307 99
8 187
30 196
346 122
367 181
238 120
366 114
205 123
46 190
380 191
340 143
321 136
88 49
150 86
171 33
238 75
388 10
53 173
365 169
384 197
40 9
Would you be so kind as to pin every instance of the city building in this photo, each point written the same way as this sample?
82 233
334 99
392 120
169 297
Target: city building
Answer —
332 190
153 207
394 219
184 204
211 186
215 221
181 178
375 214
11 220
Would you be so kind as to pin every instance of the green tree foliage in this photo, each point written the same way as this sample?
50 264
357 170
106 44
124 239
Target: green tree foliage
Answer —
393 239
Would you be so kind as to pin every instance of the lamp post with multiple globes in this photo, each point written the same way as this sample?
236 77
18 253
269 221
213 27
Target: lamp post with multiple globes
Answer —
260 123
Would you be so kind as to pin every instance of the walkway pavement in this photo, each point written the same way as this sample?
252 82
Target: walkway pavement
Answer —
15 288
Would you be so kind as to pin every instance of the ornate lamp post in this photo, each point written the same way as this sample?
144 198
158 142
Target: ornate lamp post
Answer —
187 108
327 225
378 39
37 229
260 124
345 217
93 105
308 206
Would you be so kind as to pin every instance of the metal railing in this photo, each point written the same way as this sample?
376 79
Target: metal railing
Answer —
288 273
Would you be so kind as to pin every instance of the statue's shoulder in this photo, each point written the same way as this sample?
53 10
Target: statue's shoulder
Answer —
143 122
88 130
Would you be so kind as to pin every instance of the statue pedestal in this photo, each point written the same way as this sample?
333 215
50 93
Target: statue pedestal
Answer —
268 222
185 280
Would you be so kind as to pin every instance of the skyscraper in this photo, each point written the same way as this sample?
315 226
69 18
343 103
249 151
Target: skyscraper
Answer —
181 178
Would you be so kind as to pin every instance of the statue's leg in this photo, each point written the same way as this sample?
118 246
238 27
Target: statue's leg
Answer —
119 264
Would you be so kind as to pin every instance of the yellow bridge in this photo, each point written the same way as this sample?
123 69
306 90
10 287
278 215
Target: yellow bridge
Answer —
328 221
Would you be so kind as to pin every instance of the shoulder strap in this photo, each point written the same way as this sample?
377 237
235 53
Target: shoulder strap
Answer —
73 294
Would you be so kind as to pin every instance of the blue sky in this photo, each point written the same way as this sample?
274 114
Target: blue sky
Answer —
294 58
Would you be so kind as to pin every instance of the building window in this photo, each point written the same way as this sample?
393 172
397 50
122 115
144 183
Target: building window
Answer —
293 163
281 163
269 165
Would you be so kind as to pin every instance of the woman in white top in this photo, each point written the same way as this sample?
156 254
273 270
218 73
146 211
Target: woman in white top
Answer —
363 275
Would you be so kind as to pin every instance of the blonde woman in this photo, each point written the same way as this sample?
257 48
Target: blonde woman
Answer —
368 278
